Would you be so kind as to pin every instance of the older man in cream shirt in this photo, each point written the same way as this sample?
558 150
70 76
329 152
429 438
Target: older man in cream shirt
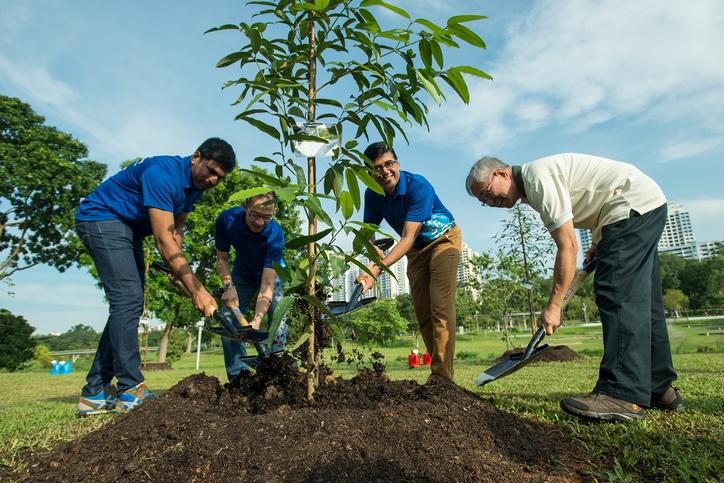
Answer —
626 212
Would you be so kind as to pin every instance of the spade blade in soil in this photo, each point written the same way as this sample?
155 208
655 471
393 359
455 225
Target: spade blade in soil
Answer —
514 361
341 308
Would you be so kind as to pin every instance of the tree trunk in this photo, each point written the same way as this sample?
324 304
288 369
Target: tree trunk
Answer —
163 343
312 227
189 341
531 309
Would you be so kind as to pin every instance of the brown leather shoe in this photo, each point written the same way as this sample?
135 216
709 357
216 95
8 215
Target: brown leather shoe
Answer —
602 406
671 400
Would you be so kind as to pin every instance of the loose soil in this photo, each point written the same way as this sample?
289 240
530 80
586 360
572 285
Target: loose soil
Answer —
555 353
364 429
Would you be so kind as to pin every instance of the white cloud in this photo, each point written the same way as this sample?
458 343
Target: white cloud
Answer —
688 149
582 63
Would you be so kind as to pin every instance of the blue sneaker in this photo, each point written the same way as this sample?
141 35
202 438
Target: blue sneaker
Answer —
130 399
102 403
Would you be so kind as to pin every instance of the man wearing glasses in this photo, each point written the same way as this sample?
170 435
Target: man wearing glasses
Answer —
626 212
258 242
431 241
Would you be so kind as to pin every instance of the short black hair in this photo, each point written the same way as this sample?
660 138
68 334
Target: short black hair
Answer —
375 150
216 149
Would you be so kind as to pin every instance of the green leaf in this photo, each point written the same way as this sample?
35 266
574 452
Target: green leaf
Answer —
380 3
347 204
467 35
312 204
429 86
301 178
368 180
433 28
436 52
457 82
426 53
353 186
232 58
264 159
464 18
473 71
248 193
287 194
302 241
321 4
228 26
262 126
314 301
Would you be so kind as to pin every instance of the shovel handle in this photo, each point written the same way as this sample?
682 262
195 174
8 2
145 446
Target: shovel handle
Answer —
537 337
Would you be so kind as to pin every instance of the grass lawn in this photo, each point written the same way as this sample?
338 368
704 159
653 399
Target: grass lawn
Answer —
37 409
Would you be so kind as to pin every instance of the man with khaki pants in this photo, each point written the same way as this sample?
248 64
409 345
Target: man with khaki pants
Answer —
431 241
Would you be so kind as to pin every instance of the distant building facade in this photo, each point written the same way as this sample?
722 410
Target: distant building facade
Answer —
677 238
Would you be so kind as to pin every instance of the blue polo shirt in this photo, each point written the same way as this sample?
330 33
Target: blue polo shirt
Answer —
253 252
414 200
162 182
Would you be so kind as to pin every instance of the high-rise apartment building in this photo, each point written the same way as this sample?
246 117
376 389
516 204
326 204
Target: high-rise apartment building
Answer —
678 231
677 238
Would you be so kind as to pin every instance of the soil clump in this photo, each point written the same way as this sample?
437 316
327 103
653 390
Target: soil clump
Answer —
263 428
555 353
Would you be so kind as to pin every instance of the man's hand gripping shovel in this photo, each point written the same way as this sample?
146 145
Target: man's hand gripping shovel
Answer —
515 361
232 323
342 308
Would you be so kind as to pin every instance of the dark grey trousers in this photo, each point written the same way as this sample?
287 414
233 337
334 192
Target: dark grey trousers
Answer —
636 362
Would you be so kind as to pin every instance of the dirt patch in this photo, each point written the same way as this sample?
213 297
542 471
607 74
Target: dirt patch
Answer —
364 429
555 353
157 366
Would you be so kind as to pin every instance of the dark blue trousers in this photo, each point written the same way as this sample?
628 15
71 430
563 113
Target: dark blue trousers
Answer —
117 252
636 362
235 350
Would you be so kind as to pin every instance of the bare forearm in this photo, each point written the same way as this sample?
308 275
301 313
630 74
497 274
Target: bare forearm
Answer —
224 269
174 258
563 272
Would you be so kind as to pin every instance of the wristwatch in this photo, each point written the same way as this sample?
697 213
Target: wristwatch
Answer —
228 285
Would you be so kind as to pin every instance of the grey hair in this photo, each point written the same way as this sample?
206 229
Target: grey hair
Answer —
482 170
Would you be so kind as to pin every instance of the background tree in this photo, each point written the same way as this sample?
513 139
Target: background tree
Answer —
42 355
675 300
407 312
528 247
16 343
43 177
377 324
293 52
77 337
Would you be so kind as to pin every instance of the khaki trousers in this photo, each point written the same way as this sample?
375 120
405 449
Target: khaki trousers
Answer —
432 272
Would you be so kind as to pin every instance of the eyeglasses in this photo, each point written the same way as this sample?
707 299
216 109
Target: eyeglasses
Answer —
386 165
258 216
483 195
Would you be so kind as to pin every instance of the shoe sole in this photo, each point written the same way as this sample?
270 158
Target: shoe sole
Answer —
625 417
83 414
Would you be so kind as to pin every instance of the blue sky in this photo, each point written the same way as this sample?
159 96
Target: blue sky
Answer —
641 82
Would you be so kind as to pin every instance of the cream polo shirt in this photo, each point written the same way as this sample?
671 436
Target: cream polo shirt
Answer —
590 190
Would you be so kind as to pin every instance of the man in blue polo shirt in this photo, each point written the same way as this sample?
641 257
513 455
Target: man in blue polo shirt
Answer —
258 242
151 196
431 241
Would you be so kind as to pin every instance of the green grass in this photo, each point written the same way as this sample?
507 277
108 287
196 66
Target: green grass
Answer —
37 410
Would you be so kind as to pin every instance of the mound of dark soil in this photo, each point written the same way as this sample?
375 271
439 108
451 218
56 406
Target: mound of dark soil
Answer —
364 429
555 353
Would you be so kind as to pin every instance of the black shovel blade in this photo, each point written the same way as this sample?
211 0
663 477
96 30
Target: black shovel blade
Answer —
342 308
514 361
228 327
508 366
